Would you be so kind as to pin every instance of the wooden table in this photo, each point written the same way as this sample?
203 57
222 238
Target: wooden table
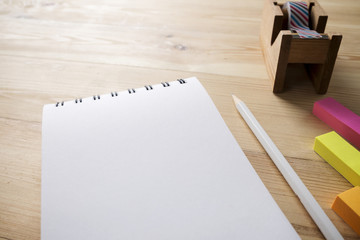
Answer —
53 50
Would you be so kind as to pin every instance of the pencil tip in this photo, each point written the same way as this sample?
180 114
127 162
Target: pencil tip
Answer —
236 100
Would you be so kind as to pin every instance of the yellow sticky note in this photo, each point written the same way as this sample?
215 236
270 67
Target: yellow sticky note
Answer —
340 155
347 206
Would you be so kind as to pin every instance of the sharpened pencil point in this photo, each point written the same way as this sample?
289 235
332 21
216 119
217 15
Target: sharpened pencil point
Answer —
236 100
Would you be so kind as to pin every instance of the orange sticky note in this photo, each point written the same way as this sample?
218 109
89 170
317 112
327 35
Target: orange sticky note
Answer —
347 206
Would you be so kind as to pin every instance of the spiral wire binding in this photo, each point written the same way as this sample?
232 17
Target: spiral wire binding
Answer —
58 104
148 87
131 91
78 100
96 97
115 94
181 81
165 84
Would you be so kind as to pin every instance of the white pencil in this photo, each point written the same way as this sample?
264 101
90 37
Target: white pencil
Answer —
318 215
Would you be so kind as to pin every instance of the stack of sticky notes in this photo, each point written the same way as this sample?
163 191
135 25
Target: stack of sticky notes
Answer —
341 154
347 206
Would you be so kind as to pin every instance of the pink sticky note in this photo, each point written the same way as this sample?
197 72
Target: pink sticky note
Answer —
341 119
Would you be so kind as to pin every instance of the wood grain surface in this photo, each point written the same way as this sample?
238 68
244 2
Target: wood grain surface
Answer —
54 50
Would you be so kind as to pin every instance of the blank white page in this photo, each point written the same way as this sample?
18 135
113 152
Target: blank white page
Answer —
154 164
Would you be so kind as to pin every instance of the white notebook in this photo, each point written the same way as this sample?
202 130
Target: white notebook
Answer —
156 162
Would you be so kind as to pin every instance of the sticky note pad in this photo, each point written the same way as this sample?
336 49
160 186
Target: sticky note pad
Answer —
340 155
341 119
347 206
